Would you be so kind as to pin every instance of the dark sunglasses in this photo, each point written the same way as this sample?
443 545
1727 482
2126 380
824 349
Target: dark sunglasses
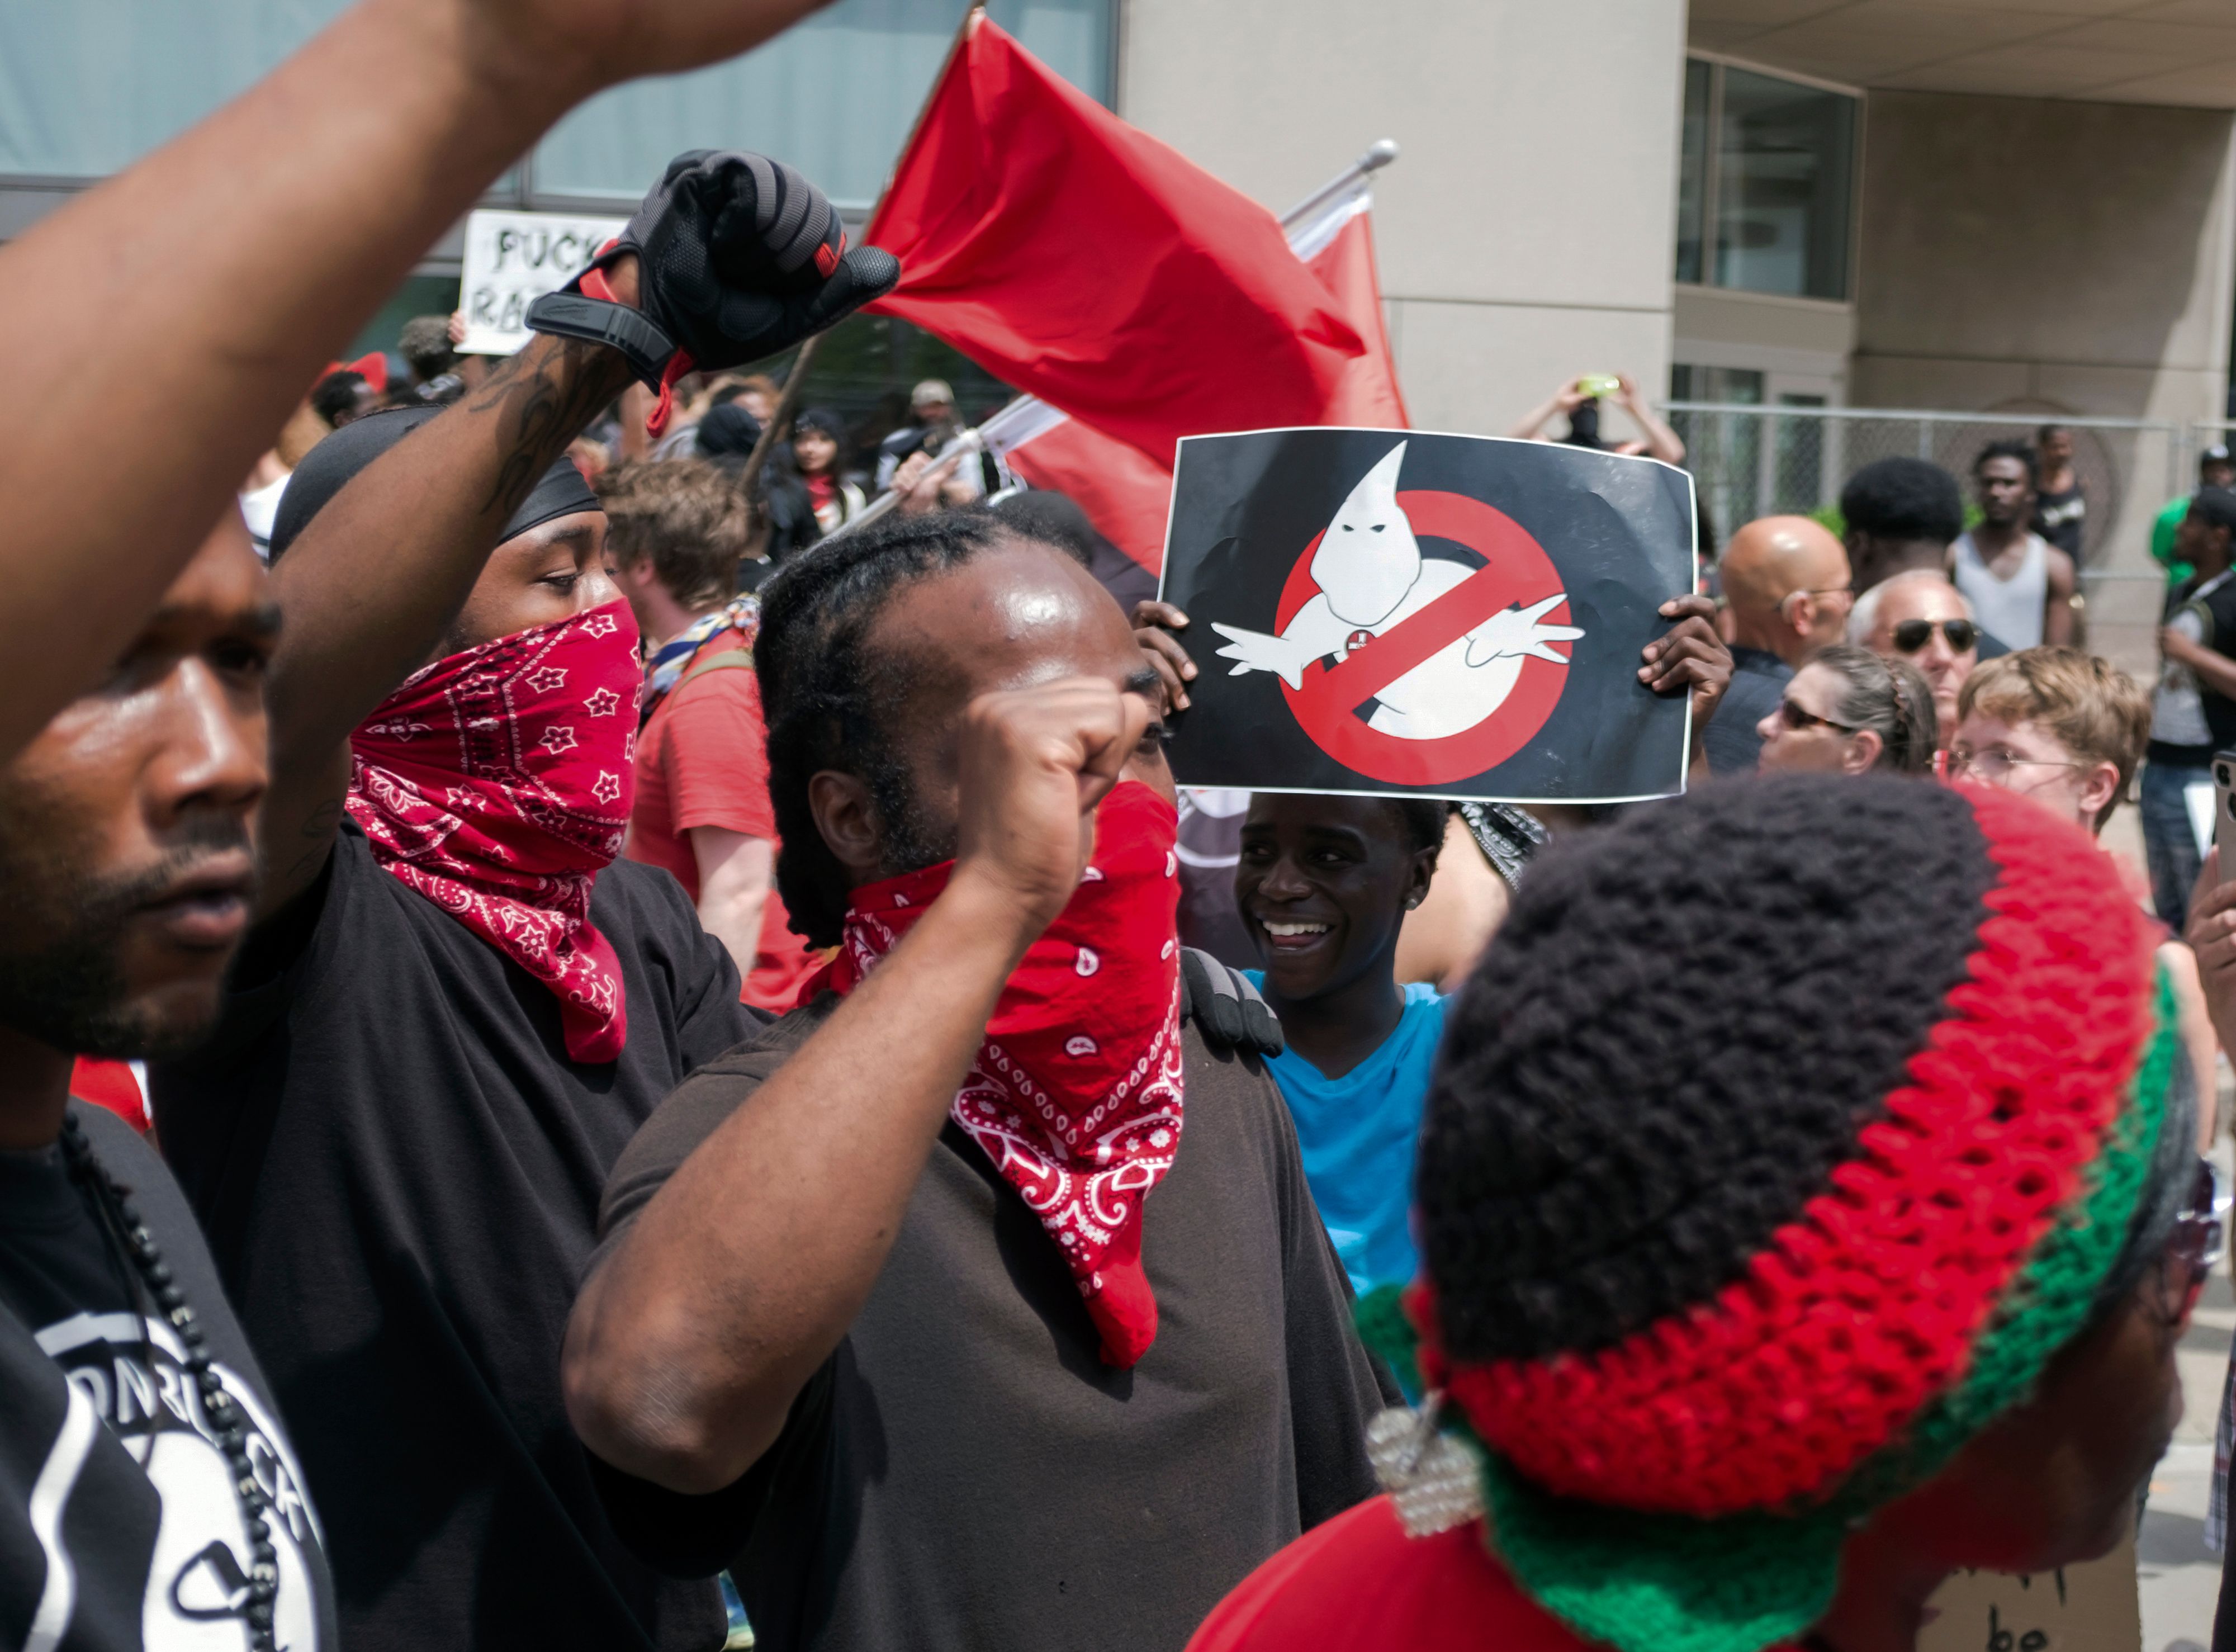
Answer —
1911 635
1798 720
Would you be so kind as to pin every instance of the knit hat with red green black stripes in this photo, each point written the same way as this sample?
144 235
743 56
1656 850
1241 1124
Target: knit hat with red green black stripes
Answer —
1782 1137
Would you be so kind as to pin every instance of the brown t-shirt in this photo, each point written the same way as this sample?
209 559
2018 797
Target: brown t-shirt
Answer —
964 1474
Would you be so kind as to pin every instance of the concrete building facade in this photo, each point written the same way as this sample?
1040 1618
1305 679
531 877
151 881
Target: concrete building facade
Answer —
1970 205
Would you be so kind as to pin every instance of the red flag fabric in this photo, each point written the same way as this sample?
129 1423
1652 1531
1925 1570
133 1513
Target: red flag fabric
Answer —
1125 494
112 1084
1346 265
1082 260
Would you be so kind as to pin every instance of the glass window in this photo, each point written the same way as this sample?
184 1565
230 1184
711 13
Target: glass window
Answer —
1785 153
1692 171
87 88
836 95
1723 450
1765 176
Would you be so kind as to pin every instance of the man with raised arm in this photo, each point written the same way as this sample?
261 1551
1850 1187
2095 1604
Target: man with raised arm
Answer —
457 1005
303 211
980 1302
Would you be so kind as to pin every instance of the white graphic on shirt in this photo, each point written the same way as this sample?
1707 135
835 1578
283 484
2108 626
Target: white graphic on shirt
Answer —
50 1497
198 1577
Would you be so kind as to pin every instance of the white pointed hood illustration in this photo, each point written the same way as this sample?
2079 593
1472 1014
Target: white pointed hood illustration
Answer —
1367 559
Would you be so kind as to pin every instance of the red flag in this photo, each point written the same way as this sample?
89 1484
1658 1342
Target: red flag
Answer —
1124 493
1084 262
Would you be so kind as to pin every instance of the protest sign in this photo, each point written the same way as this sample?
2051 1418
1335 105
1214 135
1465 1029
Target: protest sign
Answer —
2092 1607
512 260
1395 613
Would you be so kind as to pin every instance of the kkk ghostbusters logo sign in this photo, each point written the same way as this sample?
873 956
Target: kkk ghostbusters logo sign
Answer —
1464 620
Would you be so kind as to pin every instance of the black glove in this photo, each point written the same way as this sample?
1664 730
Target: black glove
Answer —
1226 1008
739 256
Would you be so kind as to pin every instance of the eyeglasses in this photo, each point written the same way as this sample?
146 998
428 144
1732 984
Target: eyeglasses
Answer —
1995 765
1797 719
1911 635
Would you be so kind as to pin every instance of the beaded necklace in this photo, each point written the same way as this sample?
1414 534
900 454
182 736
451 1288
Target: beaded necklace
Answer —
121 1226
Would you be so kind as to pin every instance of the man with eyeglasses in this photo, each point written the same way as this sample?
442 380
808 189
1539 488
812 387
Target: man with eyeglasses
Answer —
1920 618
2194 707
1786 585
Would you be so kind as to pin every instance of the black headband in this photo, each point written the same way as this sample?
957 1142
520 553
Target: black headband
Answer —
327 468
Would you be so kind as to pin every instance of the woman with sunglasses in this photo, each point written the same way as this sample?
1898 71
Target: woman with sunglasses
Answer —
1920 618
1848 712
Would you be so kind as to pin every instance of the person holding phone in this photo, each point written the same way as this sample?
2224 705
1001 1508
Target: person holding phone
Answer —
1580 400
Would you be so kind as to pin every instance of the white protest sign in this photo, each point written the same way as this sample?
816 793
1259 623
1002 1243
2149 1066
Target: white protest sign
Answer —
2092 1607
514 259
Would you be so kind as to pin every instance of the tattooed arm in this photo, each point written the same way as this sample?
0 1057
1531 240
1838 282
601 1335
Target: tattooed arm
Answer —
403 566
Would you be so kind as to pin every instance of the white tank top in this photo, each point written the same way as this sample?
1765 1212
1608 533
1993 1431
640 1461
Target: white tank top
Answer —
2009 610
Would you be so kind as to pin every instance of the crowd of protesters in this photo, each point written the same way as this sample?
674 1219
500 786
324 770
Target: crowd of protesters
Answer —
699 1079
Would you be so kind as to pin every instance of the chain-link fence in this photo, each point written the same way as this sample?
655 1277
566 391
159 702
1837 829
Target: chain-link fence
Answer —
1755 461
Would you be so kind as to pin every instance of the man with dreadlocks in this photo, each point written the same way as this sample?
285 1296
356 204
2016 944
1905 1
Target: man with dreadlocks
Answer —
1731 1350
979 1302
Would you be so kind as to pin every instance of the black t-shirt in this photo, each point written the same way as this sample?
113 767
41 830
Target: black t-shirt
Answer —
1758 680
400 1169
964 1474
2062 518
120 1528
2214 604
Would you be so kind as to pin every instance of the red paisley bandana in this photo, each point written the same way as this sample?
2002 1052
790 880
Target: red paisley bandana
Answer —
1075 1094
497 782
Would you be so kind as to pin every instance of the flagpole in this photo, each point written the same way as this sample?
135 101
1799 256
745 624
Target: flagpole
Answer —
1378 155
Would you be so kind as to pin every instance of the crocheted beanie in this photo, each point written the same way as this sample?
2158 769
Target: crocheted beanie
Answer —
1780 1138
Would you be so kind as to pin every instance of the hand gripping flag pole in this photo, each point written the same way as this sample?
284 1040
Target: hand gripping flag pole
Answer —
1309 226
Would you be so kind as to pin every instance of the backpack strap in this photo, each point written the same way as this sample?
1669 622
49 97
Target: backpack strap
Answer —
727 660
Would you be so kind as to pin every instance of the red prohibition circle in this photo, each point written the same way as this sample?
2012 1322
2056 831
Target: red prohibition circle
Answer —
1525 573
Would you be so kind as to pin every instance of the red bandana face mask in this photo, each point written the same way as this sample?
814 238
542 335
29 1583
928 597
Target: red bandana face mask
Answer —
1075 1094
497 782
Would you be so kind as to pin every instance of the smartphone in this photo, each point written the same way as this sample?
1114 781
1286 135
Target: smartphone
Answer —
1598 384
2224 812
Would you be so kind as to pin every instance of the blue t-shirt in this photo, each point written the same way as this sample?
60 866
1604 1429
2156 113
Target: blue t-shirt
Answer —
1358 1134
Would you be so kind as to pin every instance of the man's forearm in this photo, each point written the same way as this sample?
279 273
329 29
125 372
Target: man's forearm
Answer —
2213 669
196 295
687 1349
735 920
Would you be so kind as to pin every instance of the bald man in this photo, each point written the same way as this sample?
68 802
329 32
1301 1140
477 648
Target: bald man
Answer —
1920 618
1786 581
